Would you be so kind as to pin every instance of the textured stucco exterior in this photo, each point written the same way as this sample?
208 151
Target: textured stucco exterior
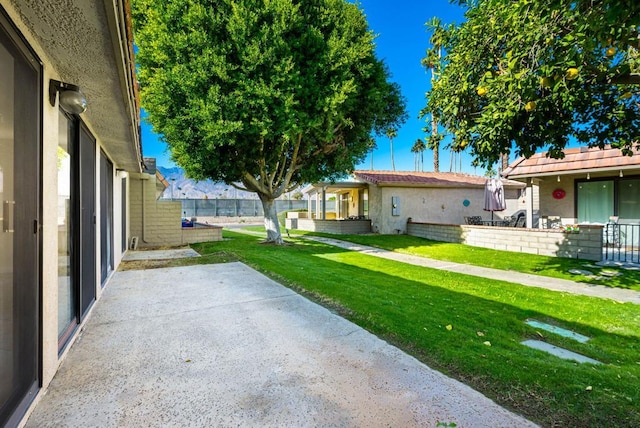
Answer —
443 205
79 42
550 206
84 43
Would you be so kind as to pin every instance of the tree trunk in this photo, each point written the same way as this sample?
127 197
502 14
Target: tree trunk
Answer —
271 224
393 164
436 144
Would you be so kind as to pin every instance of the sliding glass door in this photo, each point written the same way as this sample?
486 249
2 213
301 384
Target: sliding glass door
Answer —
67 228
595 201
20 105
106 217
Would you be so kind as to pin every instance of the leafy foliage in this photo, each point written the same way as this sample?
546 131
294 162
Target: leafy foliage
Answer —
268 93
526 75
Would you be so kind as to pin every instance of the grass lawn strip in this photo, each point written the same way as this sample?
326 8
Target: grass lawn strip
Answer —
471 328
555 267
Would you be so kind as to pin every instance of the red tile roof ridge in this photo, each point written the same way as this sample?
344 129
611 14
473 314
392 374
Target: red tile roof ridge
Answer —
575 159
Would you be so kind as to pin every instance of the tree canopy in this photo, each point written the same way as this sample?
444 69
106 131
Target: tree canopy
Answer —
528 75
267 93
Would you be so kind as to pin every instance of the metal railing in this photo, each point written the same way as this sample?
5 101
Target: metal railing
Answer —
621 242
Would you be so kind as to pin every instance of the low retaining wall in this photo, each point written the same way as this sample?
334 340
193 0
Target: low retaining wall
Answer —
345 227
201 233
585 244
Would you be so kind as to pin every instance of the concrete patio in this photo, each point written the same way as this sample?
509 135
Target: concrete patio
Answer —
222 345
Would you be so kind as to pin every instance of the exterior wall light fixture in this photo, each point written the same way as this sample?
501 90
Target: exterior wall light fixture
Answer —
72 99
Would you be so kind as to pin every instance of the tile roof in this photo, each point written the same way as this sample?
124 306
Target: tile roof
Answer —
578 159
426 179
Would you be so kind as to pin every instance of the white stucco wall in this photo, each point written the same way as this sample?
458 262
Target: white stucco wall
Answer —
434 205
549 206
49 218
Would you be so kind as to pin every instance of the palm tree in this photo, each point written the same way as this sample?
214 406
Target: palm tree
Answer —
434 143
391 134
415 149
372 146
433 61
418 150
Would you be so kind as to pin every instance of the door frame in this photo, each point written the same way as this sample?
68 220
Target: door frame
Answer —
21 45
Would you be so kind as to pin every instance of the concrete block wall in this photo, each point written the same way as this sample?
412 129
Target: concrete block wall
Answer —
347 227
192 235
153 222
586 244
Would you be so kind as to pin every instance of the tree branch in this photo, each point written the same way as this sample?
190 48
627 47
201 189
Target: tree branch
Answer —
626 79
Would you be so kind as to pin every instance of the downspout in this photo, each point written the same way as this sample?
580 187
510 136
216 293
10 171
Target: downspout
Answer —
142 180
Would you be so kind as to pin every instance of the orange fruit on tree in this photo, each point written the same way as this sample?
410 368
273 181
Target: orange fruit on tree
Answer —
546 82
481 91
530 106
571 73
611 51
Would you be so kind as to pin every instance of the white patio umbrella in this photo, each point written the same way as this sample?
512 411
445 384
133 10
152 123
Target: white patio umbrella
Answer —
494 196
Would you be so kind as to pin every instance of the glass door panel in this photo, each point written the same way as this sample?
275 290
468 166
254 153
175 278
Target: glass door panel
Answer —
629 197
87 193
6 233
595 201
20 105
106 217
67 300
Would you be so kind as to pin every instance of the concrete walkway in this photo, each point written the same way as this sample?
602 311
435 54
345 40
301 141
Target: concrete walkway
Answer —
555 284
223 345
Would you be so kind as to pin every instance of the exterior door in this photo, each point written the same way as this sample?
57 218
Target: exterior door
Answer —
68 245
106 217
87 220
20 104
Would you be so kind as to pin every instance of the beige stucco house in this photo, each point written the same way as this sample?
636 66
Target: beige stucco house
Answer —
587 186
66 179
383 201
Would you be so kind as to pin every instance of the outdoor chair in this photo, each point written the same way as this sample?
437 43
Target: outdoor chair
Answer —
474 220
521 221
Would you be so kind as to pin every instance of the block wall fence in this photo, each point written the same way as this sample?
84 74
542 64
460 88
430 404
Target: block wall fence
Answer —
585 244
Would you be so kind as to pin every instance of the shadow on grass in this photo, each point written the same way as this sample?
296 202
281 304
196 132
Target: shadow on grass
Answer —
412 307
555 267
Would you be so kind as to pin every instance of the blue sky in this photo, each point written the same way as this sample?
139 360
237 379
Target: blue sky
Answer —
401 43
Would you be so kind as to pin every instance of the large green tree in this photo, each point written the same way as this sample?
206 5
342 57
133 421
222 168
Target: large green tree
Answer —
265 95
528 75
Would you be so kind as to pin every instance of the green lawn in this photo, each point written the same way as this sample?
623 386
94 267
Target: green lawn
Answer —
412 307
555 267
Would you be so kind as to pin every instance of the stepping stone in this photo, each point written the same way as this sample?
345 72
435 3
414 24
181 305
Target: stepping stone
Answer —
580 272
590 266
565 354
558 330
610 273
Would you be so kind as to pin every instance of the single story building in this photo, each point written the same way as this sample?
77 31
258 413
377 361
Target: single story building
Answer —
383 201
70 161
587 186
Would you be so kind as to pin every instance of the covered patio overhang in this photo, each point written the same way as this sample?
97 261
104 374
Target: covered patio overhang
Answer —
349 214
318 193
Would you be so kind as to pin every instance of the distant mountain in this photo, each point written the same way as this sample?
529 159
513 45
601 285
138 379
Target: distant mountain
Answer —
181 187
